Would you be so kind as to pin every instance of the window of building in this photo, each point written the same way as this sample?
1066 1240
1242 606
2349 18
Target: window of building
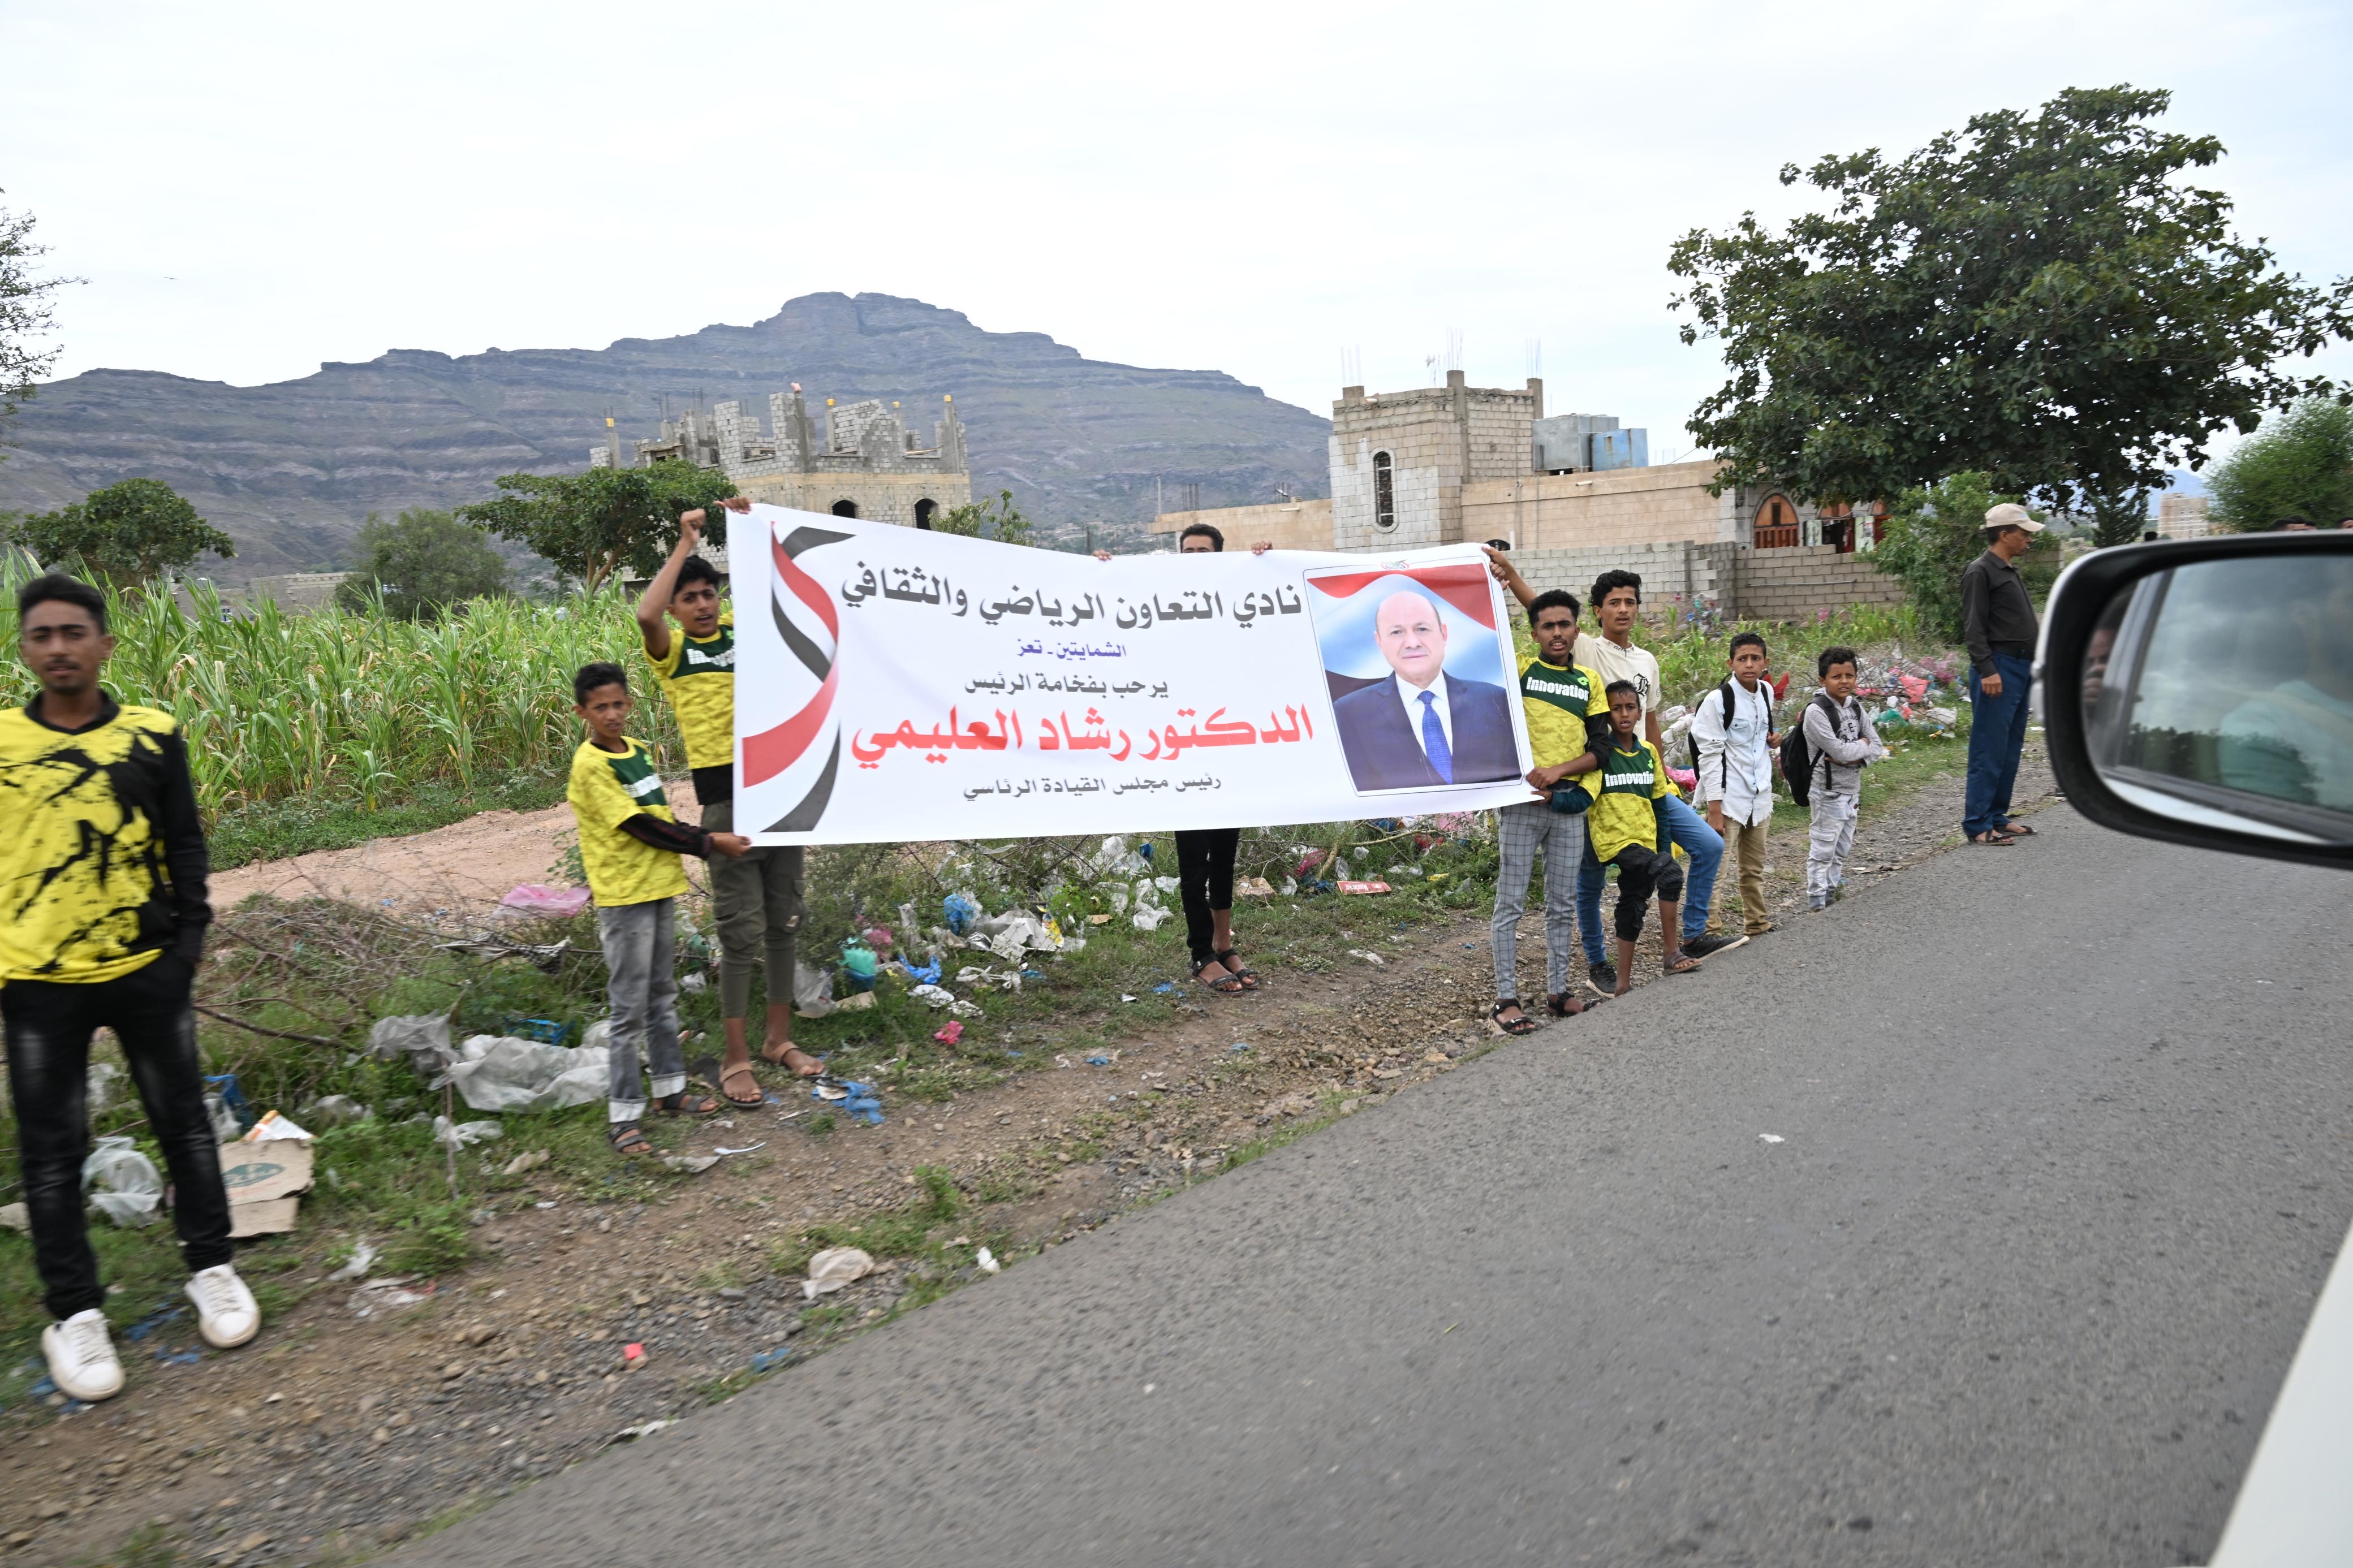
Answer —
1383 492
1776 525
845 508
924 510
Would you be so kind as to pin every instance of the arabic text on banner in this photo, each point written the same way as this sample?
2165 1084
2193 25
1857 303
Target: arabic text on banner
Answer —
896 684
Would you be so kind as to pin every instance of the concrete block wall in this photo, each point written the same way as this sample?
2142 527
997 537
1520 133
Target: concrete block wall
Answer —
1673 573
1624 507
880 498
1798 583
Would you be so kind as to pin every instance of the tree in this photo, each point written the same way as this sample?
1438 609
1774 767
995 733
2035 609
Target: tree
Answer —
978 519
24 311
2039 298
2119 517
128 533
2300 463
604 520
1935 530
421 563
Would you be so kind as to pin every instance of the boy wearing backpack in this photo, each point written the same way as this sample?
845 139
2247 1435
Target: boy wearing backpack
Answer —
1825 765
1622 828
1732 741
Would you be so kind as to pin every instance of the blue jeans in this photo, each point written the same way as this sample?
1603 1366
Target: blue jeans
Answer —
1686 830
1997 732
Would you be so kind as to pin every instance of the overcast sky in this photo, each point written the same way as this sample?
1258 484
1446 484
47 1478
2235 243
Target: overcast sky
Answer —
251 190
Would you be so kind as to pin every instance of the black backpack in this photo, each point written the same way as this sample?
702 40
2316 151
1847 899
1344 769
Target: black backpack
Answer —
1797 754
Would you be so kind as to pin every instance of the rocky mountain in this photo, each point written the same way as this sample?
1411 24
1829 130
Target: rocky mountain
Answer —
289 469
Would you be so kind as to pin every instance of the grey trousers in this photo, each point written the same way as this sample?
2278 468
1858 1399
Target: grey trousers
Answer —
641 992
756 903
1829 842
1522 829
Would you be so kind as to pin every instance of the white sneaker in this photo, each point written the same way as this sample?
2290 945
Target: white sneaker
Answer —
226 1314
81 1358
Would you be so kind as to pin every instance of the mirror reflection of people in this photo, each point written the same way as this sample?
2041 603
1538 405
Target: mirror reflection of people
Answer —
1422 727
1999 629
2295 740
1205 856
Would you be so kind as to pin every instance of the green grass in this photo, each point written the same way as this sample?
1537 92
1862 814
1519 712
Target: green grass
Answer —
272 829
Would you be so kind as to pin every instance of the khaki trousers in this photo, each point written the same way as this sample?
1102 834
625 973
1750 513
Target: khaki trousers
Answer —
1748 842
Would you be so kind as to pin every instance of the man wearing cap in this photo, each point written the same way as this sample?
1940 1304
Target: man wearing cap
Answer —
1999 629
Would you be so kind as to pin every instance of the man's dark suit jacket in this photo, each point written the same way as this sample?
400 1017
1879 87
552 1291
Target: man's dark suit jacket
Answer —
1384 753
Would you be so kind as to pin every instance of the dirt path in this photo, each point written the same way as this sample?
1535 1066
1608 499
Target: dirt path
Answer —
336 1433
457 871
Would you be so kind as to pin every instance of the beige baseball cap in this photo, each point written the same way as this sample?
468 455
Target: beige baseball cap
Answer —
2009 514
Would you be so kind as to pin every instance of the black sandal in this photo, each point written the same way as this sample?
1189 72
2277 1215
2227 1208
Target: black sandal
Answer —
1226 984
684 1104
630 1139
1557 1004
1523 1025
1234 967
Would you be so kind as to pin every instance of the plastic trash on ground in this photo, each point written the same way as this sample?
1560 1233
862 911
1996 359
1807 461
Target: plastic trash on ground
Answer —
960 911
422 1037
859 966
355 1267
812 990
1148 918
932 995
334 1111
554 903
461 1134
15 1216
834 1268
121 1182
964 1007
503 1073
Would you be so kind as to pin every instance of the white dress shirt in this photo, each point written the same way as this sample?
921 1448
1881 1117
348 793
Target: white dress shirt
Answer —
1410 695
1735 764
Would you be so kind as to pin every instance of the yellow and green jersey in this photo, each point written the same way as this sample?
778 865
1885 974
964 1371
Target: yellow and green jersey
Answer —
102 862
698 676
1557 702
607 789
1622 813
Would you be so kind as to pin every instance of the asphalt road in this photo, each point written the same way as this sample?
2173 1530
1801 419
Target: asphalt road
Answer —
2064 1148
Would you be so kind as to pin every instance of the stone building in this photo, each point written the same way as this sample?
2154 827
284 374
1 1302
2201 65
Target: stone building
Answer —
2182 517
868 464
1568 495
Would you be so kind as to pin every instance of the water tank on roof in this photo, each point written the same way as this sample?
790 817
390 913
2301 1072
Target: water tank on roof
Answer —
1621 450
1564 443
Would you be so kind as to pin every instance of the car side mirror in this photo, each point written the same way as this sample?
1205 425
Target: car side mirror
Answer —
2201 692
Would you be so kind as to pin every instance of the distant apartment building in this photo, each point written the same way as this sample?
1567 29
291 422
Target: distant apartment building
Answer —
2182 517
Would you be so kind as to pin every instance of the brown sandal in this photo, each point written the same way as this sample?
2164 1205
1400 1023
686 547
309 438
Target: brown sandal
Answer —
742 1070
815 1069
1993 838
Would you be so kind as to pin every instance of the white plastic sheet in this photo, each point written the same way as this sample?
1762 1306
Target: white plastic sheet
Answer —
121 1182
505 1074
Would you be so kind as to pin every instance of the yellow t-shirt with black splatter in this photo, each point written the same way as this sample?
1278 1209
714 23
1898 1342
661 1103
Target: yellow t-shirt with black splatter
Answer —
607 789
1558 701
86 894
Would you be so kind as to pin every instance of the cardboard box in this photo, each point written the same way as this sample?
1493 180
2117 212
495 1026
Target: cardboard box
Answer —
265 1172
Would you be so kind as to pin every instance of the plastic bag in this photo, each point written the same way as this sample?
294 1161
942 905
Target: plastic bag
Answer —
503 1073
833 1268
127 1185
423 1037
812 990
463 1133
557 903
1148 918
932 995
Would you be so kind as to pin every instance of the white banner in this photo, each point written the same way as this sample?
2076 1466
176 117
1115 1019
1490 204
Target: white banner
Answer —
893 683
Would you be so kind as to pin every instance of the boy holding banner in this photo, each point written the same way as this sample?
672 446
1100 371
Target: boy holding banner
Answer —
756 898
1568 728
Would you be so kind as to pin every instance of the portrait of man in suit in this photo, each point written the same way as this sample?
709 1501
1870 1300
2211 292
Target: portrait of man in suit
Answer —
1422 728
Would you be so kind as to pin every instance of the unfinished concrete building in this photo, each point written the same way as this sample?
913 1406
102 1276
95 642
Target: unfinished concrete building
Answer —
868 464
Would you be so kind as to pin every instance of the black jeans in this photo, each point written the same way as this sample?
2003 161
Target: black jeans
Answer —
1205 880
48 1029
